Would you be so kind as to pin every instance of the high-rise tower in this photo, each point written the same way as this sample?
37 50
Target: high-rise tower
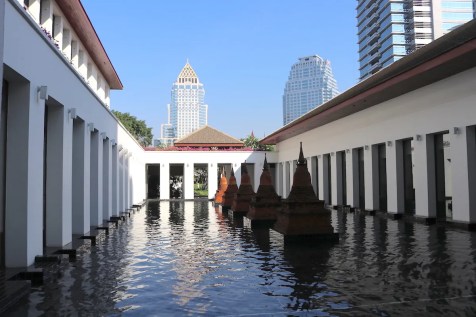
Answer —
310 84
391 29
186 111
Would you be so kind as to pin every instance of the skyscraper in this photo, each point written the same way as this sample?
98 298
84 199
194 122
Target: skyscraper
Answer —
186 111
391 29
309 85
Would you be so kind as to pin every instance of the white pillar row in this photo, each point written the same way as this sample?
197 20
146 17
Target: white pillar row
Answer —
355 178
279 177
312 165
46 15
106 178
320 171
58 30
237 168
334 180
395 177
66 44
285 179
34 9
349 166
375 178
58 176
96 178
339 158
120 181
463 169
81 178
126 181
114 182
75 54
188 179
164 181
368 178
24 175
424 178
212 177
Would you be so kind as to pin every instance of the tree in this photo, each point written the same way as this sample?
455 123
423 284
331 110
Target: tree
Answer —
253 142
136 127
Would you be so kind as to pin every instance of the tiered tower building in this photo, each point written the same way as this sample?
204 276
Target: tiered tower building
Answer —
187 111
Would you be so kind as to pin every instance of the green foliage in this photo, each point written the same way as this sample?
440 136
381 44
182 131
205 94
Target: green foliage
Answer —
253 142
136 127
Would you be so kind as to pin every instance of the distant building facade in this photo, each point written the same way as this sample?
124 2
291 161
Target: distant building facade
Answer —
310 84
187 110
391 29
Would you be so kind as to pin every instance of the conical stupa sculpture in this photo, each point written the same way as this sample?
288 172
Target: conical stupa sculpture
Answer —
241 202
264 206
230 192
303 216
222 187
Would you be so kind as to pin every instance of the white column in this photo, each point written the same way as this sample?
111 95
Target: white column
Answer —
114 182
375 178
188 178
320 167
106 178
96 179
424 178
285 179
355 179
164 181
293 166
120 181
280 178
212 179
349 166
83 63
58 177
312 164
334 180
34 9
463 169
81 178
66 45
58 30
46 15
368 178
395 177
24 175
74 54
126 181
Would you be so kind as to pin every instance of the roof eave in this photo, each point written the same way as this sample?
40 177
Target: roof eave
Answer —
80 22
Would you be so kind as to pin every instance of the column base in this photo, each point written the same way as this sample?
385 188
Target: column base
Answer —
394 216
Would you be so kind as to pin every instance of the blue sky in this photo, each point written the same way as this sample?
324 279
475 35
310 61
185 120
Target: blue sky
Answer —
241 50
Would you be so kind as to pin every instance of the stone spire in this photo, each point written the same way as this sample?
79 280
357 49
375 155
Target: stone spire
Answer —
303 216
264 206
241 202
229 192
222 188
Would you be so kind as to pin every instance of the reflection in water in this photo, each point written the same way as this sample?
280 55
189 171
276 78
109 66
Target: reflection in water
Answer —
187 258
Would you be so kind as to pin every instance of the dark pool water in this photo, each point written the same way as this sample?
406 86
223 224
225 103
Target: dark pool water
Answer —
187 259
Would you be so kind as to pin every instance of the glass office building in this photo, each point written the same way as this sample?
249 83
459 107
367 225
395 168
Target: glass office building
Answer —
391 29
310 84
187 111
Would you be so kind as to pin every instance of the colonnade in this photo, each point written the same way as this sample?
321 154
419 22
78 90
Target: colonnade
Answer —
430 175
63 176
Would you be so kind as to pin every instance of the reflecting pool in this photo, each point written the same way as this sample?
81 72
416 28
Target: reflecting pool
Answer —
186 259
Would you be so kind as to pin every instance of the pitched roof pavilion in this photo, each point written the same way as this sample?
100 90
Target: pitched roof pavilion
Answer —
208 137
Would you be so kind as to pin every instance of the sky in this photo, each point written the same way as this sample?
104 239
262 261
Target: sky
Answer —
241 50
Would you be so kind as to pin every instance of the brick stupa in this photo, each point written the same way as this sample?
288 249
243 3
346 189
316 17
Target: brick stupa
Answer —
241 202
230 192
303 217
264 206
222 188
